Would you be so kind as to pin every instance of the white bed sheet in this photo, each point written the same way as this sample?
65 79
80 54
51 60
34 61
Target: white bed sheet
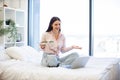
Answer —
95 69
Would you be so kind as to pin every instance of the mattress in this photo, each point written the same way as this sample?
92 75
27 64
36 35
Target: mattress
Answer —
95 69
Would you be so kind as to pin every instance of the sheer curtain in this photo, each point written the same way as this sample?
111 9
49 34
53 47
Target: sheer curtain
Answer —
34 22
106 28
74 15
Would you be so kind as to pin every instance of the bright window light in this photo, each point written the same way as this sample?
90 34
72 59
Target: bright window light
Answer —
74 15
106 28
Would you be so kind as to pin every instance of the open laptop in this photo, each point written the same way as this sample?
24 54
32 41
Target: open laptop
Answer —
80 62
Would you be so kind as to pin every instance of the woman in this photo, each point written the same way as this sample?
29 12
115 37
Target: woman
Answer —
52 43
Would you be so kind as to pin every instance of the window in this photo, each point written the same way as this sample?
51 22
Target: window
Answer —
74 15
106 28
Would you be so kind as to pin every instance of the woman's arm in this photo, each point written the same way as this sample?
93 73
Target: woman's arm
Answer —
63 50
66 49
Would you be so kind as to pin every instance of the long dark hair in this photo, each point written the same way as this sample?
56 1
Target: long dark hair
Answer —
53 19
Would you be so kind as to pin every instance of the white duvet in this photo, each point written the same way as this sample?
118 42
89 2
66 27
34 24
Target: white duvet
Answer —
95 69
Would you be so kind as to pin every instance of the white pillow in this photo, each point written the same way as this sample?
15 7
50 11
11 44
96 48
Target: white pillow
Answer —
16 53
3 56
25 53
30 50
34 55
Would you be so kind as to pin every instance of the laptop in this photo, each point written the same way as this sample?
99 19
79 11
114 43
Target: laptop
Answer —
80 62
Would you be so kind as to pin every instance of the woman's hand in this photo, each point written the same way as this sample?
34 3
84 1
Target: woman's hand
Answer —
76 47
42 46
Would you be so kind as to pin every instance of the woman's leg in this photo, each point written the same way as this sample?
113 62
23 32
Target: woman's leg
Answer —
67 60
44 60
50 60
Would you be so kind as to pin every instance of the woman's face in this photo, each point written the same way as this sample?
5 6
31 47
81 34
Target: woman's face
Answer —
56 26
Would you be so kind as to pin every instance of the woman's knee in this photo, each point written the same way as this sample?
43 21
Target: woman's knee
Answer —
74 54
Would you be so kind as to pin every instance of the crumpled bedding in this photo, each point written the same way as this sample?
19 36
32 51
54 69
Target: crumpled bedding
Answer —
95 69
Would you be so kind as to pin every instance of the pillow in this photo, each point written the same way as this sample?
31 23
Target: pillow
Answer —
80 62
33 52
24 53
3 56
30 50
16 53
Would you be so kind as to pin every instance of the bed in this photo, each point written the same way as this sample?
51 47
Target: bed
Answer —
22 66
